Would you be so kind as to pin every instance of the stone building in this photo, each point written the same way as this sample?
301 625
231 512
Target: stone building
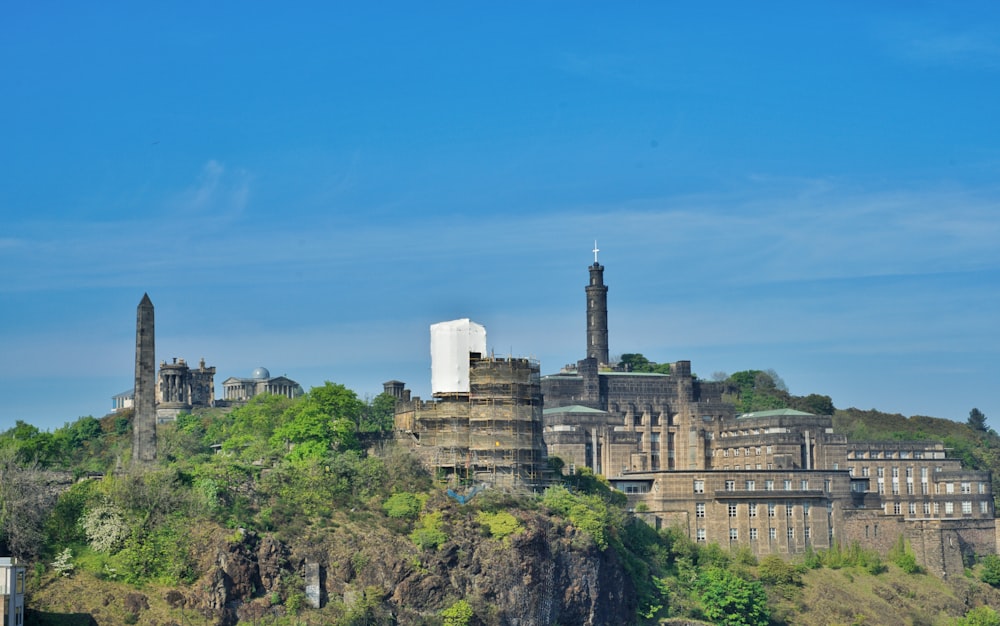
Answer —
260 381
12 591
776 481
485 421
122 401
182 389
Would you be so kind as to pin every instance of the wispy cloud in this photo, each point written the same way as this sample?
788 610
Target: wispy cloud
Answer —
218 192
977 48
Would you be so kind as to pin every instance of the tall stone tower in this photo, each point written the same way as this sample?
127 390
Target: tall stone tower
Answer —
144 422
597 313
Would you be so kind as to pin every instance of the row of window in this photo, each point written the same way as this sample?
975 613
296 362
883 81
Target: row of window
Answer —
751 485
752 509
755 451
772 533
949 487
934 508
896 454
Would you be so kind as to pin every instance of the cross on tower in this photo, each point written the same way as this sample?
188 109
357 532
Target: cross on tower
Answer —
595 252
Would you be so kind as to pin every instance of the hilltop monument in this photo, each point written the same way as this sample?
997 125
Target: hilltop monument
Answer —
597 313
144 422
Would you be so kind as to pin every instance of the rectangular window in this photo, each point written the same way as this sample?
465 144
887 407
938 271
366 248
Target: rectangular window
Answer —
982 487
984 507
880 472
734 534
923 474
788 485
927 508
788 510
750 485
699 486
803 485
753 534
699 509
937 508
730 485
699 535
895 472
897 508
769 449
770 509
791 533
949 487
967 507
752 509
807 533
805 508
913 508
966 487
949 508
864 471
909 472
732 510
772 533
768 485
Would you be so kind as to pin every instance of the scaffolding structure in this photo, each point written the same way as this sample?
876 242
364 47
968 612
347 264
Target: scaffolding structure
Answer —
491 434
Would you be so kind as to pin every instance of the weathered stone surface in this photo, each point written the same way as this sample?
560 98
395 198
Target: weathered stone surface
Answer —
136 603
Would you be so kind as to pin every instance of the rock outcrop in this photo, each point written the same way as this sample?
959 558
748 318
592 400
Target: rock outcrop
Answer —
547 573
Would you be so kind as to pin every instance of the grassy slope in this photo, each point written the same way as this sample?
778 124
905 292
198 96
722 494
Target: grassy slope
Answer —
851 596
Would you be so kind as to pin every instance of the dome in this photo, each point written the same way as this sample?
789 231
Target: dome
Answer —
260 373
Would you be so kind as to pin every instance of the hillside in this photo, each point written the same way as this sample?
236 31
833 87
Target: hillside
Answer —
308 494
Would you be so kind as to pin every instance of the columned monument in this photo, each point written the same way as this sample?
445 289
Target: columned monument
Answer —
144 422
597 313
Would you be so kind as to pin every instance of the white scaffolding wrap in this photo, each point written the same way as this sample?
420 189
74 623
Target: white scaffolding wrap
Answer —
451 343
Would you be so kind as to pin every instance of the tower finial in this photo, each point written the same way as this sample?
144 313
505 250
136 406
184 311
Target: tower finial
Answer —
596 250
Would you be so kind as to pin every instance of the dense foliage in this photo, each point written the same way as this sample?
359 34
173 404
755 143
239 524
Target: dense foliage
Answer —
292 467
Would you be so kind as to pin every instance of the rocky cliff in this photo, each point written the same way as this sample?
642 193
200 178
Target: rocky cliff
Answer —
547 573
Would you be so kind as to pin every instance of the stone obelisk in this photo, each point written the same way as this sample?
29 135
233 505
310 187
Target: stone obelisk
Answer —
144 422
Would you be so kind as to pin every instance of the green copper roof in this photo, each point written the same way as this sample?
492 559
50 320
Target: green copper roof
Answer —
778 413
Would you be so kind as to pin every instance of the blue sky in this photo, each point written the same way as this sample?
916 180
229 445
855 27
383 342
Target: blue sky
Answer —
808 187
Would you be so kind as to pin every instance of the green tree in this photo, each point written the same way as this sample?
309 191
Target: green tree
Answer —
24 505
635 362
731 600
980 616
379 414
814 403
458 614
990 572
977 420
403 505
337 401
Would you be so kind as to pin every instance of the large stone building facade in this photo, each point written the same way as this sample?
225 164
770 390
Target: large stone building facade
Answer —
776 481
